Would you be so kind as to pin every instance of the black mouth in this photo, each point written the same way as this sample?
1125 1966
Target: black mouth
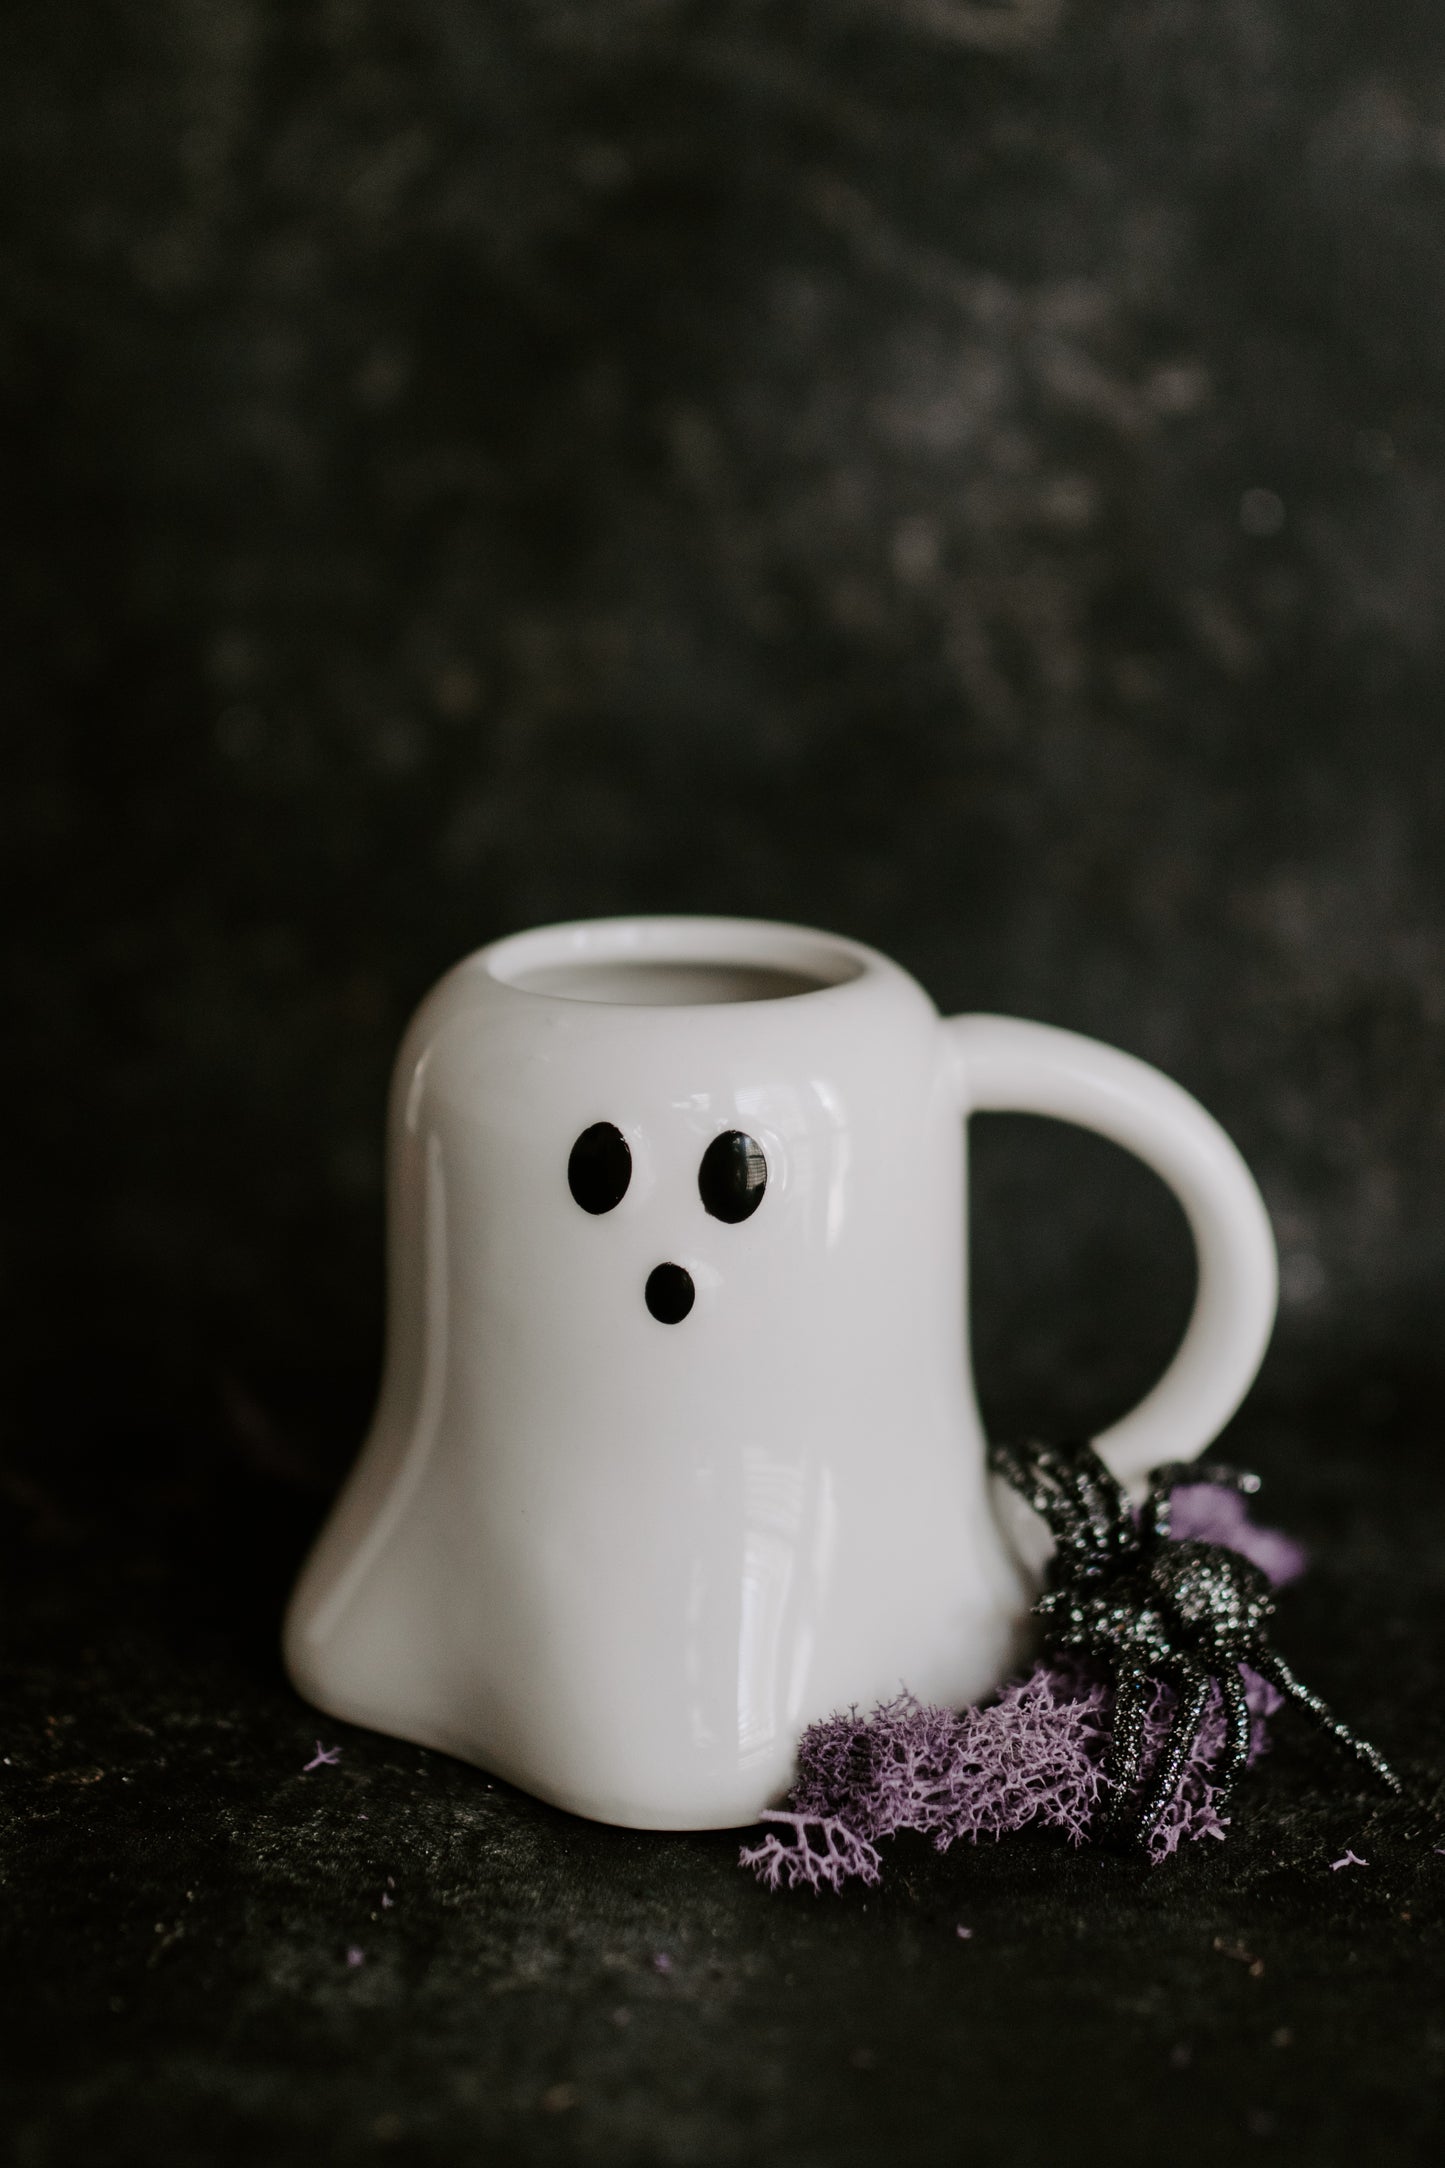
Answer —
669 1293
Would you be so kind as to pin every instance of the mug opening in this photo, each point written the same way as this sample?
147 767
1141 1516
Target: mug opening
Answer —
673 963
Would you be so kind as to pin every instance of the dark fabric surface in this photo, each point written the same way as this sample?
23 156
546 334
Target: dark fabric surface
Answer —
180 1901
968 476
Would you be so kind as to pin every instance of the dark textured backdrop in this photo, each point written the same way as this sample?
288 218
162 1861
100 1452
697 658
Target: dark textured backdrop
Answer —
969 476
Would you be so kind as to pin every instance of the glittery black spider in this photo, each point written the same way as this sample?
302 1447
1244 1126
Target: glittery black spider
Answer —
1190 1612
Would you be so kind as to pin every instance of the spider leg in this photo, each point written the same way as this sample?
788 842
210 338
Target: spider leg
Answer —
1158 1504
1274 1668
1041 1476
1178 1475
1007 1459
1194 1684
1126 1744
1059 1464
1102 1498
1230 1765
1022 1467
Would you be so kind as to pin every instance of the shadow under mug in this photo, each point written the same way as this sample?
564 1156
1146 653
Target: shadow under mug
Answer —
677 1447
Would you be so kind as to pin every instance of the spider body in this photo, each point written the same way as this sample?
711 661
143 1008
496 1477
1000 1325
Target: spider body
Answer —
1119 1589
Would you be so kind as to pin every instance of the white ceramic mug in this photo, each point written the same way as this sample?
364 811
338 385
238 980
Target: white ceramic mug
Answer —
677 1447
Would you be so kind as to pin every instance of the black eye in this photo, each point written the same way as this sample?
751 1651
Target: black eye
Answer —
733 1176
600 1168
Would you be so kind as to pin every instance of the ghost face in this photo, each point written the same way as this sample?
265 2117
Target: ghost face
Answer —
732 1179
678 1242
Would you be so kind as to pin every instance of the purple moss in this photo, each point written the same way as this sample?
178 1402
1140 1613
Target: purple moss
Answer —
1034 1757
810 1851
1210 1514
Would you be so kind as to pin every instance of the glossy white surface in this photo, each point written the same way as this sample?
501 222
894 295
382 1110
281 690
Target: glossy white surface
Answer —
623 1563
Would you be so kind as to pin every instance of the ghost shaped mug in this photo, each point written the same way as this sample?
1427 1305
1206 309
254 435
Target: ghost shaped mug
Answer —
677 1447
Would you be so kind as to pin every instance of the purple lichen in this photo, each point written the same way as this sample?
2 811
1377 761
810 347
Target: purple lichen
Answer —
811 1851
1036 1757
1036 1754
1208 1513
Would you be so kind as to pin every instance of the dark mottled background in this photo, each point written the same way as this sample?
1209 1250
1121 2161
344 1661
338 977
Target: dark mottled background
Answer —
967 475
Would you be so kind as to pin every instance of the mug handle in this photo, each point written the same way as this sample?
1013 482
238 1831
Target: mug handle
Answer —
1003 1065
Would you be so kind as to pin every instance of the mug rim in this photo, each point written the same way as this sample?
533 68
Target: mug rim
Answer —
833 963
